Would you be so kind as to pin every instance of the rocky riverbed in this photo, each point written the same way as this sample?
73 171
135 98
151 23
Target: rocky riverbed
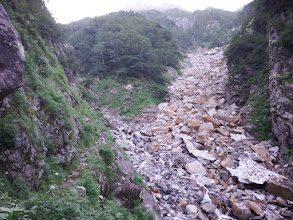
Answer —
195 156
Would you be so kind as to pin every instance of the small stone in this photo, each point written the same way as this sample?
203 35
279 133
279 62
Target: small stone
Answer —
227 163
195 167
179 121
173 108
158 195
155 148
208 206
224 174
208 127
193 123
163 130
201 99
182 202
202 137
223 132
208 118
254 207
241 211
154 189
262 152
191 209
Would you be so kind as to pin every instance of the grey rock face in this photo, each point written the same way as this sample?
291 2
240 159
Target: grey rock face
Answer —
11 57
281 91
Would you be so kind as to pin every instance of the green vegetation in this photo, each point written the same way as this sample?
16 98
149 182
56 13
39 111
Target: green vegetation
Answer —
247 57
208 28
124 45
181 37
48 118
213 27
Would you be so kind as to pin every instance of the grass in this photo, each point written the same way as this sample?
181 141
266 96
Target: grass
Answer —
115 95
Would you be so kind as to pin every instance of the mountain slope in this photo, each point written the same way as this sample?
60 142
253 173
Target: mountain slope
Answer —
57 156
260 66
207 28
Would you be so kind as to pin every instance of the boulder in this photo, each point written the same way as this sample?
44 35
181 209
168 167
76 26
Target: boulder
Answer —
280 186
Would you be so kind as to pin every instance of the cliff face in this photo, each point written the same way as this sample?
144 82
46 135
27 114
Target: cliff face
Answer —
11 57
281 82
260 69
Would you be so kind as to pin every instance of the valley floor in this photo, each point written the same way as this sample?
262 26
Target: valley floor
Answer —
196 158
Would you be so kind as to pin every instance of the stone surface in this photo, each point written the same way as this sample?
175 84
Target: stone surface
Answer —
176 178
193 123
191 209
227 163
241 211
195 167
280 186
254 207
11 57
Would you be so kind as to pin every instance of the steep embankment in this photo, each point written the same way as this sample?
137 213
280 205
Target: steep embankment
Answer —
197 159
50 135
260 70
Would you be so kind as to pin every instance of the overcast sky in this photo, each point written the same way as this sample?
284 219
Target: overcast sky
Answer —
66 11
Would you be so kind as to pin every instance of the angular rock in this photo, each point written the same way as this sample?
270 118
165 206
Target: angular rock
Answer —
179 121
182 202
208 206
208 126
191 209
212 102
238 137
279 186
173 108
201 99
163 106
198 153
202 137
208 118
262 152
241 211
163 130
193 123
223 132
254 207
222 115
250 171
227 163
155 148
195 167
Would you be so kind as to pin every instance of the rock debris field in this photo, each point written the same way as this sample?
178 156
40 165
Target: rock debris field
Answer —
195 156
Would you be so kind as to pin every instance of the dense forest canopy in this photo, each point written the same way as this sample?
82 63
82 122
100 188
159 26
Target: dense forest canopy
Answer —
123 44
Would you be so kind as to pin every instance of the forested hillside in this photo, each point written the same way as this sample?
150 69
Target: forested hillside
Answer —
57 157
208 28
122 49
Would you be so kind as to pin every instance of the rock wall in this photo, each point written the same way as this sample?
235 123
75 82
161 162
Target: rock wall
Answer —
281 90
11 57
